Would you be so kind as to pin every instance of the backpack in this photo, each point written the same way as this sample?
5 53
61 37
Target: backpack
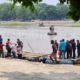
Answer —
8 47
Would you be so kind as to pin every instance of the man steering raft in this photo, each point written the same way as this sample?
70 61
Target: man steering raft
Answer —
51 28
41 24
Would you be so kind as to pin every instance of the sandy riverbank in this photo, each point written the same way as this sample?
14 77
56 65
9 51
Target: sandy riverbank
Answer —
15 69
29 54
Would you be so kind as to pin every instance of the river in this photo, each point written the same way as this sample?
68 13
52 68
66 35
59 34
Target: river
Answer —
37 37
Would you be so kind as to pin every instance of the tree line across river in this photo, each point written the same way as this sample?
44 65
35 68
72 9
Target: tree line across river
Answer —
43 12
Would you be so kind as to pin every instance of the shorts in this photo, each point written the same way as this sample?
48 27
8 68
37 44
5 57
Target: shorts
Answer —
55 51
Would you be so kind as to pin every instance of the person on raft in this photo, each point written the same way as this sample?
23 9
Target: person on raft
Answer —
52 28
41 24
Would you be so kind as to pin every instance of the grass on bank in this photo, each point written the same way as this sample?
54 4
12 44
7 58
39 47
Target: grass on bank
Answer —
75 26
15 24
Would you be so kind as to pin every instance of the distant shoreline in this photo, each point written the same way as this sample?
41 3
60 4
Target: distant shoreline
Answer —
62 23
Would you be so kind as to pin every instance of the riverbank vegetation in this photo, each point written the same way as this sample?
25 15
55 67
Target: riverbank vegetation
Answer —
15 24
74 6
43 12
75 26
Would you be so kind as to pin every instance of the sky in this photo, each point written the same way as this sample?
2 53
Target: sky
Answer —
50 2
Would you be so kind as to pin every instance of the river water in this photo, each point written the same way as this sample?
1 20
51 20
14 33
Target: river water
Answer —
37 37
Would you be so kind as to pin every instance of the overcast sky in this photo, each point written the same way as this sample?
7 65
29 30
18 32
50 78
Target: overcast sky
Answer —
52 2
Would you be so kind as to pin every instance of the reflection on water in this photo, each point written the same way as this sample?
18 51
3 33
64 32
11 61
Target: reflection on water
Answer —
38 38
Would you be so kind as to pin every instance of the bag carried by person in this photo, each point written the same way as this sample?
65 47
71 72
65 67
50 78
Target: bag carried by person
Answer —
59 52
8 46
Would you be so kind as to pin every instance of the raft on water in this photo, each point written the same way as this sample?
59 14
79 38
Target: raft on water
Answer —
52 33
41 25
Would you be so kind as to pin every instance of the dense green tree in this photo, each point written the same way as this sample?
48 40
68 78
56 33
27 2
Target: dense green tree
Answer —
48 13
26 3
74 6
62 10
44 12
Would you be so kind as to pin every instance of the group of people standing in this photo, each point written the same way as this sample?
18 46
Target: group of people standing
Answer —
13 49
66 50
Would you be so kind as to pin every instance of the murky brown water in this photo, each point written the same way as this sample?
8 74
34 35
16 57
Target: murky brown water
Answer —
37 37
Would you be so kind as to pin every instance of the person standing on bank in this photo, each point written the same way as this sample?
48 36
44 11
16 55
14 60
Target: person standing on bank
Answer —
8 47
78 48
73 48
14 49
53 54
62 48
69 49
1 39
56 43
1 49
20 43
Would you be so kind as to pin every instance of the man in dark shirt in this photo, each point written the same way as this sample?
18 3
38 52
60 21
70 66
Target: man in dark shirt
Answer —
73 47
56 43
69 49
19 43
78 48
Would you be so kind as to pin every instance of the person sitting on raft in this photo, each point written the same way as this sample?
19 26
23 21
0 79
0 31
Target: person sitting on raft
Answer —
52 28
41 24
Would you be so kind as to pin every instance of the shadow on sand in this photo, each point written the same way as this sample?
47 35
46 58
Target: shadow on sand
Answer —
40 76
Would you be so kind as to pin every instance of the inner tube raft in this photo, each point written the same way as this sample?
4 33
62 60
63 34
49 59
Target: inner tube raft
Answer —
52 33
41 25
60 62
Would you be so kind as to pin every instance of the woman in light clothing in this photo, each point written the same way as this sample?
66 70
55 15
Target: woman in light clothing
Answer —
14 49
19 50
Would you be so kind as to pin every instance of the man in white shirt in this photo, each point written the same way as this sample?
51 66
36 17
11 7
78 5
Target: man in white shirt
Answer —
14 48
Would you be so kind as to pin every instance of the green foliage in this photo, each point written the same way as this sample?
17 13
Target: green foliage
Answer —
26 3
74 6
43 12
15 24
